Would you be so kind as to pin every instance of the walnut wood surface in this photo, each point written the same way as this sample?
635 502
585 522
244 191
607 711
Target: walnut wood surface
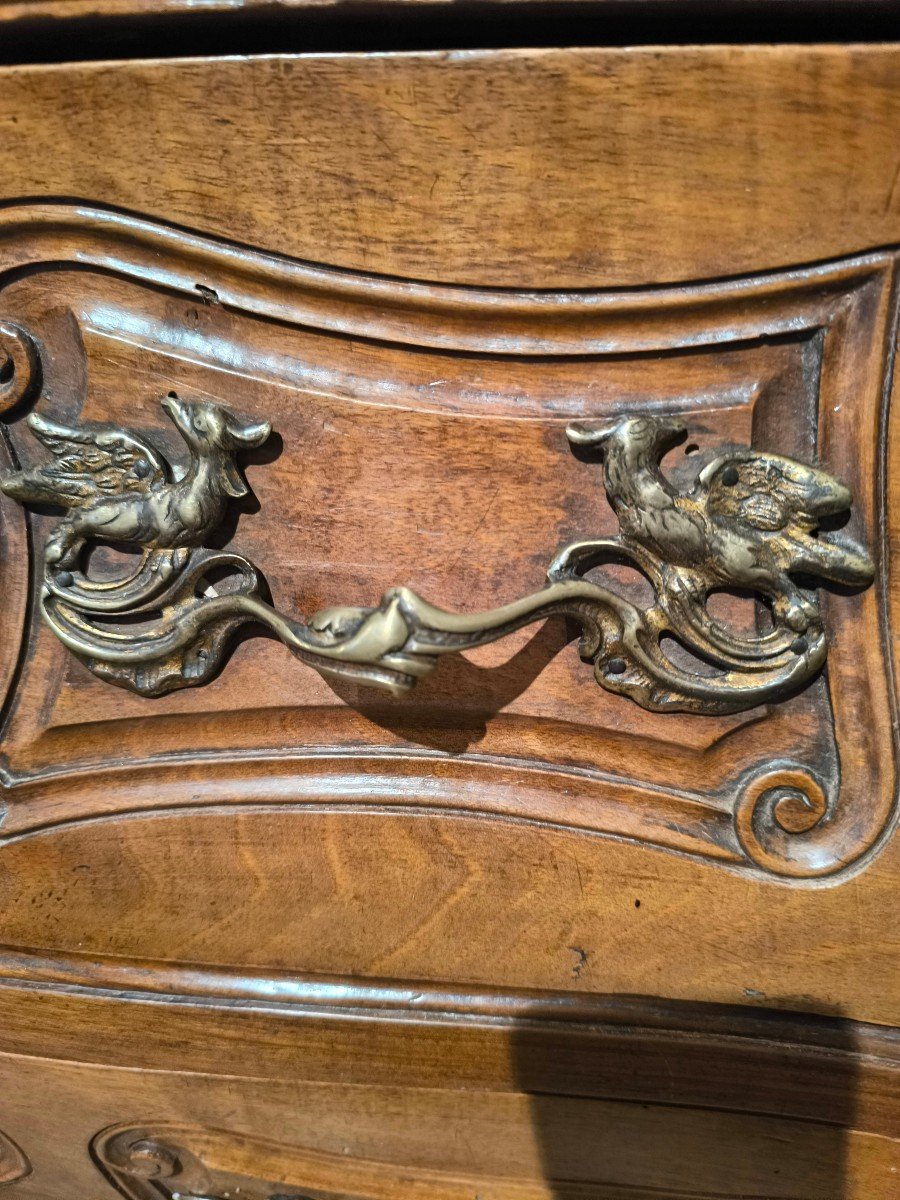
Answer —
518 1106
472 389
284 923
525 168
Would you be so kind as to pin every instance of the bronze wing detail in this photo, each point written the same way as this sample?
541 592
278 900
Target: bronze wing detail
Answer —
89 463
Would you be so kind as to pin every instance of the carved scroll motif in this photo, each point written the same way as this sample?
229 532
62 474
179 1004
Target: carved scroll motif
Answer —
14 1166
168 1162
748 521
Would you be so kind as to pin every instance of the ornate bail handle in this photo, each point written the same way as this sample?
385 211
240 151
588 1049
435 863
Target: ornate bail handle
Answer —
747 522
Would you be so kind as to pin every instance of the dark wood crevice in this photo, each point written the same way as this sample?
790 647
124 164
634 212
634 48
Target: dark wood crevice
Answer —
64 32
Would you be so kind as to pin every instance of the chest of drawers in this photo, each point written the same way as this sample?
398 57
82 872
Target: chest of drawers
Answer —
346 853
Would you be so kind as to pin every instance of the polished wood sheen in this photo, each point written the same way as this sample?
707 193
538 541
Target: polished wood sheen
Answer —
534 169
506 935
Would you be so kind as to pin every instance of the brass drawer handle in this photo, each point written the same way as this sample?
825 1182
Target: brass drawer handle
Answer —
747 522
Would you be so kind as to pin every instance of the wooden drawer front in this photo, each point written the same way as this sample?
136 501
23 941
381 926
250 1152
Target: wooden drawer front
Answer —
419 308
419 440
277 1131
552 1149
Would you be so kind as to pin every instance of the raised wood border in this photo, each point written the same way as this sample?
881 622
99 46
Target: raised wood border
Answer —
132 1014
839 298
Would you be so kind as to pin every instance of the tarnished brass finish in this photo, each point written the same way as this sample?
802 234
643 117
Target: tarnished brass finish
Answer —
748 522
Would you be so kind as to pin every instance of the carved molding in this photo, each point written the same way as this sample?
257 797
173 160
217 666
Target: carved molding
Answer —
185 1163
20 367
14 1166
822 797
177 1162
407 312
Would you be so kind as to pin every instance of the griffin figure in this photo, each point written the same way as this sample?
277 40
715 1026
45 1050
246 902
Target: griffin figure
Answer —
118 487
749 521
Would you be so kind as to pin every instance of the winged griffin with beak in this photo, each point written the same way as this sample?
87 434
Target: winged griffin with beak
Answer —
118 487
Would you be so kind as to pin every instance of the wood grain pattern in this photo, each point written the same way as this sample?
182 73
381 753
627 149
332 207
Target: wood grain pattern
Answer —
520 939
530 169
674 1148
373 896
524 1107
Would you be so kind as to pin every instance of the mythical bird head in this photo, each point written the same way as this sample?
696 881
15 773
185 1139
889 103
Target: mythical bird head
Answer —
644 437
749 520
775 501
211 432
769 491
